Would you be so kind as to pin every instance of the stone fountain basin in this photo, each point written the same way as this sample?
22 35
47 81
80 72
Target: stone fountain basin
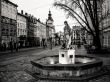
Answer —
50 66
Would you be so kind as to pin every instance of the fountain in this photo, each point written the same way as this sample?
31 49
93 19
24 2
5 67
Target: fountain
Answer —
66 67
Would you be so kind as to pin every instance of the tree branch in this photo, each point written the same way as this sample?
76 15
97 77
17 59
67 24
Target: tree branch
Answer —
84 15
63 5
79 22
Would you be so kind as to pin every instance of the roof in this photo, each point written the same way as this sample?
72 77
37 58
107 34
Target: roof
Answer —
11 3
21 14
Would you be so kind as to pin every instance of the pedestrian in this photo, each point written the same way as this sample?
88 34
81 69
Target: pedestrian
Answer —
11 45
0 47
43 42
78 45
14 45
17 46
51 43
63 45
4 46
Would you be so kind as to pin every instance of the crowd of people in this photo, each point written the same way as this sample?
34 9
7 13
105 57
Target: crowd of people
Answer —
16 45
12 45
49 42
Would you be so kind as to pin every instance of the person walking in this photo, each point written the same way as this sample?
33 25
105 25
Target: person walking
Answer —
51 43
11 46
17 46
43 43
4 46
63 45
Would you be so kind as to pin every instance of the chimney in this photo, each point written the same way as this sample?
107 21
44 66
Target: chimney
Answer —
39 19
26 14
21 11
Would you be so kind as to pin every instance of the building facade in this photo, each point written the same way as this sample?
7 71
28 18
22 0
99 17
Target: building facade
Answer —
25 28
31 25
8 21
21 25
41 30
79 35
36 31
21 28
106 25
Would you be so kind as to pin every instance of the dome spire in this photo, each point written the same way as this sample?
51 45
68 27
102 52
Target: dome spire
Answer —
50 16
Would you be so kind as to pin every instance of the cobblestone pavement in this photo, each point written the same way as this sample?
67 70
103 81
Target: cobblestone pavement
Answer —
13 69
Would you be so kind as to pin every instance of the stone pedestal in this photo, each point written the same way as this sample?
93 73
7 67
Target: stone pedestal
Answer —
67 56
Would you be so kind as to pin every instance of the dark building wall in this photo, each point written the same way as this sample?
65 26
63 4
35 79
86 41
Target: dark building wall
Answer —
30 30
8 23
8 28
31 39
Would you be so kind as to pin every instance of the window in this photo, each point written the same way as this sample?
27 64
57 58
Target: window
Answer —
18 24
62 55
109 40
105 40
71 56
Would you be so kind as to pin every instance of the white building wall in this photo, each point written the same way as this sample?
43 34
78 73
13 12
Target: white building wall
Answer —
21 26
41 30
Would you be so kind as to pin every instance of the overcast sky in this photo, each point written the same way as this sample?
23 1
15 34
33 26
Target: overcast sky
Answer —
40 9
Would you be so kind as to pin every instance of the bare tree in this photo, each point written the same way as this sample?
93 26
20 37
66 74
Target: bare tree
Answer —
91 19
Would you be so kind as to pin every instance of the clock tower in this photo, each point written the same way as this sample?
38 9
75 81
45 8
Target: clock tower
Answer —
50 27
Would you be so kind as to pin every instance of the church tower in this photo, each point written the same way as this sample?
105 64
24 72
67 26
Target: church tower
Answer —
50 16
50 27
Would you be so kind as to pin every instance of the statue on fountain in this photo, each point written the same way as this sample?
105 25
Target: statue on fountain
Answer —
67 36
67 53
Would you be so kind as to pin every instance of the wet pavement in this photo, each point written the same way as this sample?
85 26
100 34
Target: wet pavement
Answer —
13 66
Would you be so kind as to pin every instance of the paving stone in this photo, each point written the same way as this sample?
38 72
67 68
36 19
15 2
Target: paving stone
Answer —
13 70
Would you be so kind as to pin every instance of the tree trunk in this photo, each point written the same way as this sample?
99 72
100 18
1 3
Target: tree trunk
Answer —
97 42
